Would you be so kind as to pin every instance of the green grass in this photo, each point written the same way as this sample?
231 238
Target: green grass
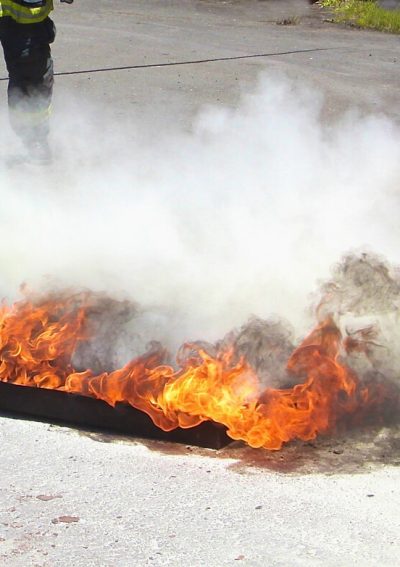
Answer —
364 14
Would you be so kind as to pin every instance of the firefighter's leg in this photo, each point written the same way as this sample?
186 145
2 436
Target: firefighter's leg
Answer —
30 67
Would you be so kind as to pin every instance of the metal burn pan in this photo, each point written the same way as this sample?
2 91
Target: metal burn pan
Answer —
54 406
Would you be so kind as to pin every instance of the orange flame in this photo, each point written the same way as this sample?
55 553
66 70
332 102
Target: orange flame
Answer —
37 342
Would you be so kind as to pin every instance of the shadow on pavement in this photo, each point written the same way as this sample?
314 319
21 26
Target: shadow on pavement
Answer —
356 451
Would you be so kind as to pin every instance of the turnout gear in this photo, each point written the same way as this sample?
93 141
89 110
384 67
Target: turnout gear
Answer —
30 69
26 32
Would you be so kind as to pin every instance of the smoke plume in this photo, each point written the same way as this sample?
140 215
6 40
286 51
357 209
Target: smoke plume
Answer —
242 215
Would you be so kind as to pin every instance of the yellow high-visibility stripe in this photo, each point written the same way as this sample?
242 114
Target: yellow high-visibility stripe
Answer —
24 15
30 118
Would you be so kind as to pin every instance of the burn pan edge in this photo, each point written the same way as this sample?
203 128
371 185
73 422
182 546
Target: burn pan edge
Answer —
54 406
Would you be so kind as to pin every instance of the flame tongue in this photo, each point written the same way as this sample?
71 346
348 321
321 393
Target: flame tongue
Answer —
37 341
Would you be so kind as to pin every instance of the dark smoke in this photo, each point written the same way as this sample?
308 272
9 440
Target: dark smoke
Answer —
364 298
266 345
361 298
106 324
363 284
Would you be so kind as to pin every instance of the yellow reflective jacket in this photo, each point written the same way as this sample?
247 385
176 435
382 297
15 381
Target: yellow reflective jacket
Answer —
26 11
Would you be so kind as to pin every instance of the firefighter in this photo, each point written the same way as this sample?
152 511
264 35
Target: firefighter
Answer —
26 32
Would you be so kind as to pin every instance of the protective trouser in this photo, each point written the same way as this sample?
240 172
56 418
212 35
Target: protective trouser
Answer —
30 68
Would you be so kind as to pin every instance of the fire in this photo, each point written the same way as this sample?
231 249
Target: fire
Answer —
38 339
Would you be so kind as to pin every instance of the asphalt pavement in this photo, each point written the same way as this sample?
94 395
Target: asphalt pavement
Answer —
239 38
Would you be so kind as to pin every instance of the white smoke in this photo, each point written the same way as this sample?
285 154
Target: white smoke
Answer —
242 215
